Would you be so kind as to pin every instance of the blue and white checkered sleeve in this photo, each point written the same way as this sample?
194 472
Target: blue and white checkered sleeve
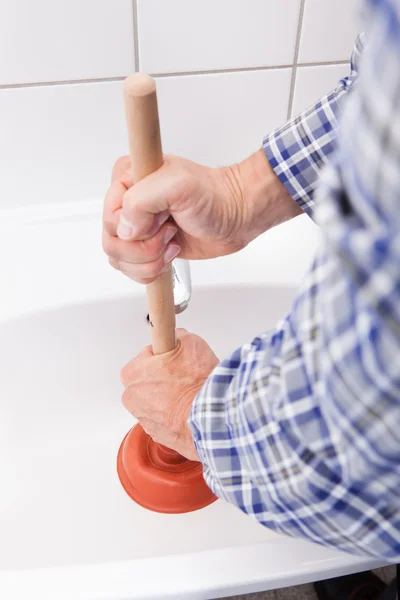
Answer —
300 428
298 150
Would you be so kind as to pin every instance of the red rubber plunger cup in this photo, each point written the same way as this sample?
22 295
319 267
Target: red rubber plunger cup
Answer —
155 477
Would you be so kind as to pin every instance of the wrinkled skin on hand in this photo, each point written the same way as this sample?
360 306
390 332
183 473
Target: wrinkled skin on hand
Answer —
160 390
204 204
189 210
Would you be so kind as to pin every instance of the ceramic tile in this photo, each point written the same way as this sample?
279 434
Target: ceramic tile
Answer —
59 142
314 82
54 40
329 30
182 35
219 119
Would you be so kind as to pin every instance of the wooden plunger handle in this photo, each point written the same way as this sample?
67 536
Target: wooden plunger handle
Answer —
146 155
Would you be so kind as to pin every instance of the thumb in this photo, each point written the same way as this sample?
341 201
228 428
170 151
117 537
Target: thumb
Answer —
146 206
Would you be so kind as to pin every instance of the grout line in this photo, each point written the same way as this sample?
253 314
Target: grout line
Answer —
295 59
12 86
136 34
220 71
326 63
249 69
8 86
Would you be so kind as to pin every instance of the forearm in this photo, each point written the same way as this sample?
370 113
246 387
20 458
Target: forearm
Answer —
264 199
279 181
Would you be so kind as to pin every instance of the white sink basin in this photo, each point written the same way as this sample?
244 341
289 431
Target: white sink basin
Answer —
67 528
64 421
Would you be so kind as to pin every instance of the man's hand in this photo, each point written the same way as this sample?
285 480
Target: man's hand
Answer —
159 390
214 212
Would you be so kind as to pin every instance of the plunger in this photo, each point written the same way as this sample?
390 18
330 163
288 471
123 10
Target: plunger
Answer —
154 476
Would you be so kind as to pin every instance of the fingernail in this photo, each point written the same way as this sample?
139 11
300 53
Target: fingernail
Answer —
125 229
172 251
169 234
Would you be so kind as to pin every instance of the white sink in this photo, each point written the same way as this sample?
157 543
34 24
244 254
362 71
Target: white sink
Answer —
67 528
64 421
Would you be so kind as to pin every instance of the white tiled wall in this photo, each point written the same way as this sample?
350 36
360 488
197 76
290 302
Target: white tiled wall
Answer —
187 35
328 31
224 71
58 40
314 82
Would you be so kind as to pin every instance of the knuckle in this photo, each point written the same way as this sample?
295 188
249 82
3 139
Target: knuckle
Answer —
181 185
108 226
150 429
146 428
106 205
127 270
121 164
114 263
182 331
126 400
125 375
108 245
149 249
154 268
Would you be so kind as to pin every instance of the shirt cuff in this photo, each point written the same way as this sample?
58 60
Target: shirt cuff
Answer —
298 150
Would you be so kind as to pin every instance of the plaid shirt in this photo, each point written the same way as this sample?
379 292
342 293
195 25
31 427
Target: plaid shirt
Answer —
300 428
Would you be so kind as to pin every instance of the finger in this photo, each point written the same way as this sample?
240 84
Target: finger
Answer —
129 231
128 375
144 273
135 405
181 332
122 171
112 206
126 399
147 352
142 251
150 270
150 428
147 204
134 367
114 263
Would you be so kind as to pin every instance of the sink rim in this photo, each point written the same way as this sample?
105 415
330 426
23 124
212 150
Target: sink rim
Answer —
135 579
